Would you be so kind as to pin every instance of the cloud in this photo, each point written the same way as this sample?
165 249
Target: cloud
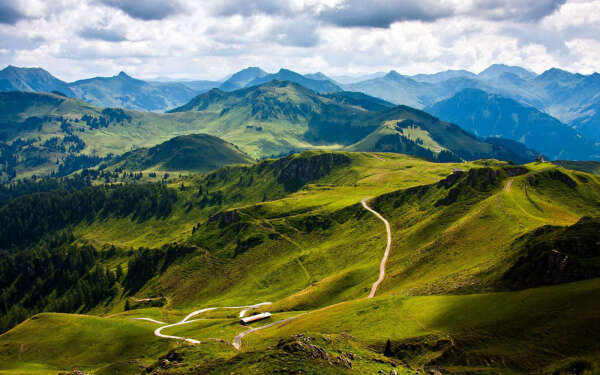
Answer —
106 35
9 14
225 8
382 13
147 9
515 10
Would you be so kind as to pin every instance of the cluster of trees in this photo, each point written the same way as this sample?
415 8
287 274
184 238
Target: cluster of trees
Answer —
68 143
36 184
147 263
53 276
74 163
116 115
108 116
10 155
25 219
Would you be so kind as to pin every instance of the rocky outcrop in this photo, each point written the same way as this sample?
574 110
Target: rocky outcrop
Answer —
296 171
554 255
225 218
302 344
559 176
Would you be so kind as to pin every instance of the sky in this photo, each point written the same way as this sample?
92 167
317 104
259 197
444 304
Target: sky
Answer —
206 39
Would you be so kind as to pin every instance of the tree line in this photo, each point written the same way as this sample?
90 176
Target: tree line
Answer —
26 219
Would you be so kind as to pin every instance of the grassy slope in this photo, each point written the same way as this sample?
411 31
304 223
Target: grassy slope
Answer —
67 340
319 248
191 153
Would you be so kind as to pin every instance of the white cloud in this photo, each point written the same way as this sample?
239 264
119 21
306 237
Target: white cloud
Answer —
210 39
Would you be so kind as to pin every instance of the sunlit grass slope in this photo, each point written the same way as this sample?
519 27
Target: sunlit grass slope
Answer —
292 232
69 340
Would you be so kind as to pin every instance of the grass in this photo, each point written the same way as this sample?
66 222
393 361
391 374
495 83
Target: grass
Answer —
316 250
528 329
69 340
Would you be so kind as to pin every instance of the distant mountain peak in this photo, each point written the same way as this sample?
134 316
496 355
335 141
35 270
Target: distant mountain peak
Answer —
497 70
392 74
122 74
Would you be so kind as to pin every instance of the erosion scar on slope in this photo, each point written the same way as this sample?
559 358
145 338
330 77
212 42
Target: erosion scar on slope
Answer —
387 248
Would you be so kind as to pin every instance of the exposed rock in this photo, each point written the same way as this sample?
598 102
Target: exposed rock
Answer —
559 176
515 171
553 255
297 171
483 178
225 218
449 199
451 179
302 344
343 361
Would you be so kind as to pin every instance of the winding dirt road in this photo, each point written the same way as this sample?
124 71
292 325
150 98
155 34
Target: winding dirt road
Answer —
186 320
387 248
237 341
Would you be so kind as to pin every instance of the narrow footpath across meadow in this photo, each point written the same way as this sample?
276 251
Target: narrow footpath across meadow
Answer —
237 341
387 248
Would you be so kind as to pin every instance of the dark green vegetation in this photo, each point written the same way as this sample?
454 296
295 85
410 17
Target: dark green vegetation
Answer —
195 152
592 167
489 115
466 287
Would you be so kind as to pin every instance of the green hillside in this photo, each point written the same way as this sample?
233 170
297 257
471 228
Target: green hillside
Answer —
44 134
465 287
195 152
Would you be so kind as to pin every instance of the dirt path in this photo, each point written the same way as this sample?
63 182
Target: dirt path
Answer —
186 320
378 157
508 185
387 248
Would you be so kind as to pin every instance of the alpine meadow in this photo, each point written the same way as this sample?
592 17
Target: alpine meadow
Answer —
320 187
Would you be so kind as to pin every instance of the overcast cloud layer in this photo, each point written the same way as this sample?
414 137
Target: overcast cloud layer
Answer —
75 39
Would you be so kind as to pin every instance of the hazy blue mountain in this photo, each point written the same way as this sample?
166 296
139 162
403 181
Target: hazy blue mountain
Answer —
589 122
348 79
242 78
567 95
127 92
497 70
443 76
398 89
490 115
318 85
31 79
201 86
318 76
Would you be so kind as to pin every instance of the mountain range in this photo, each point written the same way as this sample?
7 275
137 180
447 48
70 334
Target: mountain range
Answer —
49 133
490 115
574 99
